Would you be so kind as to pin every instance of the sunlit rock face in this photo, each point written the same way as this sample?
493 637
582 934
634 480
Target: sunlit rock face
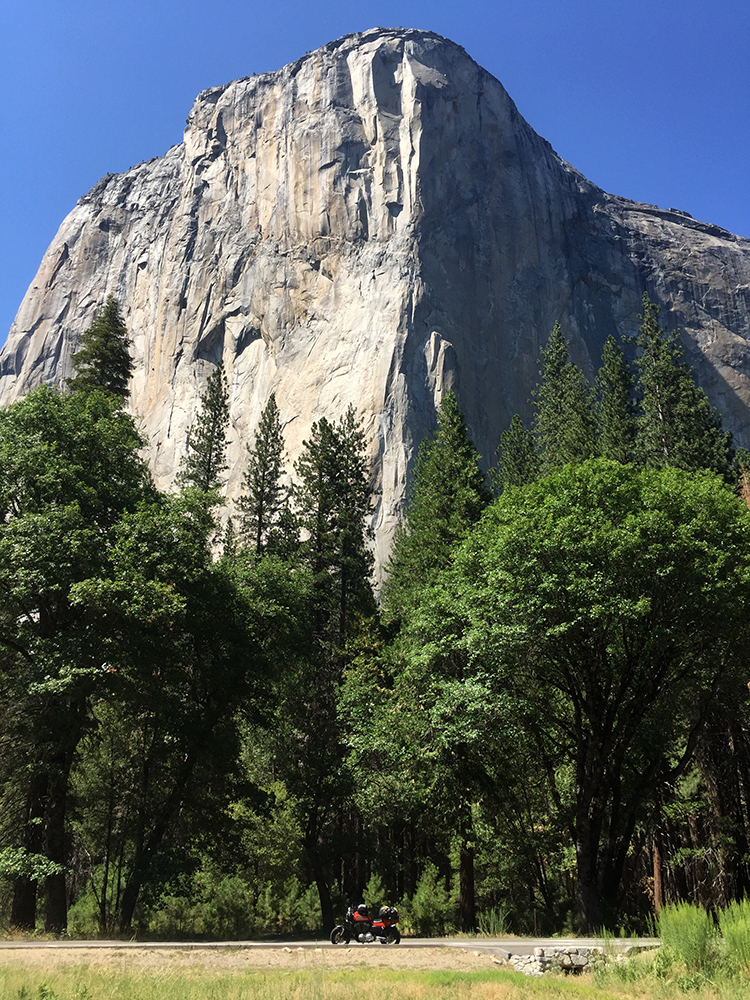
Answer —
371 225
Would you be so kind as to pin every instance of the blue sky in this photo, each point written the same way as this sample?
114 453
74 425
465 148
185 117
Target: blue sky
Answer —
650 99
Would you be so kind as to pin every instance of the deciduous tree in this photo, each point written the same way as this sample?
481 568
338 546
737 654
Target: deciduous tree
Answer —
69 469
611 603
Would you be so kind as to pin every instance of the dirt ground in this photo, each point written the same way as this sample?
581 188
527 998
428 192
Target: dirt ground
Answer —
239 959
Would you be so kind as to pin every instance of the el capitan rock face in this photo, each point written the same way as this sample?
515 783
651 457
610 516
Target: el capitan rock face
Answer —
370 225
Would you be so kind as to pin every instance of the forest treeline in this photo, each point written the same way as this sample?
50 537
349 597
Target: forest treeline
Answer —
209 725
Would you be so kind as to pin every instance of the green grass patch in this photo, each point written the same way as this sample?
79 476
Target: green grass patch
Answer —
90 983
653 976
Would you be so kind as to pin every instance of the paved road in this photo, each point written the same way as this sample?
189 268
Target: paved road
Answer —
494 946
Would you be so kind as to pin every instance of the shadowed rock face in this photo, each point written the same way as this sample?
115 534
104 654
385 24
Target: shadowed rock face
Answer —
370 225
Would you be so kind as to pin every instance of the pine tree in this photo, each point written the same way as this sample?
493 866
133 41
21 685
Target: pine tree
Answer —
448 495
677 425
332 497
230 543
517 460
205 459
333 504
615 407
103 360
564 424
264 501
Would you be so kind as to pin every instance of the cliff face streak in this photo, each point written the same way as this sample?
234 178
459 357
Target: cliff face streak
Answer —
370 225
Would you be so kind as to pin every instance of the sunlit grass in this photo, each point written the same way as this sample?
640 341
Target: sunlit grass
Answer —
652 976
90 983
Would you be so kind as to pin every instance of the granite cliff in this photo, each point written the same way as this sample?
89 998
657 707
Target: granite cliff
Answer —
370 225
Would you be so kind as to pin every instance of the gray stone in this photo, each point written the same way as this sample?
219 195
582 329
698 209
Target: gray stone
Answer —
371 225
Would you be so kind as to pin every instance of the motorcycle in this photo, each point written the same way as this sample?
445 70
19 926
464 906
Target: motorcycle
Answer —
360 927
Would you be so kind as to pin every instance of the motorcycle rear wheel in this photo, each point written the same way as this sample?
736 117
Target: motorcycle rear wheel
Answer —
339 935
391 936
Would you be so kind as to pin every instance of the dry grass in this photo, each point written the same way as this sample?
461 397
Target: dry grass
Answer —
271 974
369 973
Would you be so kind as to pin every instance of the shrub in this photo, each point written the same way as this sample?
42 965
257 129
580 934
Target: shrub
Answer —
734 922
431 909
375 894
689 932
228 910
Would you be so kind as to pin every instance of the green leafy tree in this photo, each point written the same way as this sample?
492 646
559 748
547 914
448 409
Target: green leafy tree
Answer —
615 406
677 425
611 604
564 425
103 359
436 731
196 647
448 495
205 463
264 503
69 469
517 459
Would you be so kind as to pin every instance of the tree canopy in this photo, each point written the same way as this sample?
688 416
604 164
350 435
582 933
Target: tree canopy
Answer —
616 599
69 470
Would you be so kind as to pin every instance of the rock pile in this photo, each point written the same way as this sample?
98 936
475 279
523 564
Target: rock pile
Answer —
567 959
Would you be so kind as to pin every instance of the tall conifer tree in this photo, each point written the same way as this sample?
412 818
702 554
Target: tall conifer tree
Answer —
517 459
448 495
264 501
677 425
615 407
333 503
103 359
564 425
205 461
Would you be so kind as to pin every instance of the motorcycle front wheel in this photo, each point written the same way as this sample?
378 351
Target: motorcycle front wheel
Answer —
339 935
391 936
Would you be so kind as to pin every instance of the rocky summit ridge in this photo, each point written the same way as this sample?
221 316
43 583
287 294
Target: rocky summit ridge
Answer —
371 224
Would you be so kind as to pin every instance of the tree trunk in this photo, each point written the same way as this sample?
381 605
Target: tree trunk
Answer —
56 912
23 910
326 906
316 868
587 849
145 855
658 887
466 894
